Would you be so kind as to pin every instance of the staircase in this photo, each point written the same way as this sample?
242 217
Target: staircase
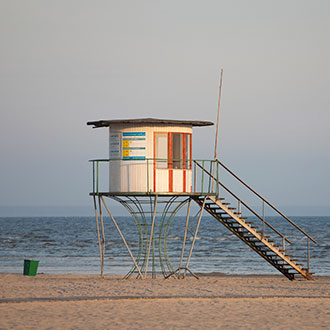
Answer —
252 234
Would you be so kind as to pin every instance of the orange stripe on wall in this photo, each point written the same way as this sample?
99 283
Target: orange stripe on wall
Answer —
170 163
184 180
154 162
184 148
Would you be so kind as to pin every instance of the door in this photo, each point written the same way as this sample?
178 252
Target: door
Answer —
172 165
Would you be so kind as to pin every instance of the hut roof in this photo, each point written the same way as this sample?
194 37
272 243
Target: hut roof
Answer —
107 123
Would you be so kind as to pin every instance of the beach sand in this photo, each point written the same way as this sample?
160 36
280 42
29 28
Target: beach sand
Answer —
228 302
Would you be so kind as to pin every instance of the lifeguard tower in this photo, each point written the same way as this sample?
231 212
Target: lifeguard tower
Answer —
153 175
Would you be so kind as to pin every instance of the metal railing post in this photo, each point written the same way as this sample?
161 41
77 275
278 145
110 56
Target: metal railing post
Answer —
263 219
195 176
148 190
93 177
308 254
210 188
202 177
217 180
97 176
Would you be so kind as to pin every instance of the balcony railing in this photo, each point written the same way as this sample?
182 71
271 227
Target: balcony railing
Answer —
202 183
211 177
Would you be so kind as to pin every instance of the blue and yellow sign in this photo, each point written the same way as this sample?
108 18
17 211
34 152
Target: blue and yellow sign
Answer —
134 146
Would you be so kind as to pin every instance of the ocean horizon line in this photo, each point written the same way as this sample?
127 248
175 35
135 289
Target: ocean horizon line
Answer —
118 210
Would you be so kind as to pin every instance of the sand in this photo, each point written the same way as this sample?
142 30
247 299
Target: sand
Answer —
228 302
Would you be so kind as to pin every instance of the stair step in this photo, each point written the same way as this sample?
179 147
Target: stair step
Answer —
247 230
234 224
241 229
253 229
274 257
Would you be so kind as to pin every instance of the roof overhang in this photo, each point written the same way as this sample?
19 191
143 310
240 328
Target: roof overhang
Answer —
148 121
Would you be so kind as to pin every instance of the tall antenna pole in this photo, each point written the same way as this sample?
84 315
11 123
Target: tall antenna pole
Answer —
218 117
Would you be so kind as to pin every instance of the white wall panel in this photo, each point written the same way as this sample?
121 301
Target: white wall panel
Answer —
131 176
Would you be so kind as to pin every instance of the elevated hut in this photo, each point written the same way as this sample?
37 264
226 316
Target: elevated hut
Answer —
150 155
153 175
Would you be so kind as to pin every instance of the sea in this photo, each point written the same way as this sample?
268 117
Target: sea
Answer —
70 245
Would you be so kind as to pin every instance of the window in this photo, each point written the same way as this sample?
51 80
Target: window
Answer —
187 155
177 150
161 146
172 150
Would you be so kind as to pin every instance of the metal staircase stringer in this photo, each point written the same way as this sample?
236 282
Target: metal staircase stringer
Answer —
251 244
257 249
259 237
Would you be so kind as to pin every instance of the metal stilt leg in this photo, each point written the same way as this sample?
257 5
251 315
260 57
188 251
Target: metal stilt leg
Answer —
122 236
184 238
103 239
98 229
194 239
151 235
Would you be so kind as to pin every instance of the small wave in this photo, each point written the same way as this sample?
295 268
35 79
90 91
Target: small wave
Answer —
197 238
35 236
177 238
14 237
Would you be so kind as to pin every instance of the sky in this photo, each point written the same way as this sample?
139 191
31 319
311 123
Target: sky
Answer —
63 63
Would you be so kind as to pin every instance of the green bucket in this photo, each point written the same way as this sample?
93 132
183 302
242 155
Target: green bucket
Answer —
30 267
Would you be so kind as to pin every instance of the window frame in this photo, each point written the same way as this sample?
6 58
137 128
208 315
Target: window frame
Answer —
158 162
185 152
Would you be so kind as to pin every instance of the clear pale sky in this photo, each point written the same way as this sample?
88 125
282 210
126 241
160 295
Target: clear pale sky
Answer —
63 63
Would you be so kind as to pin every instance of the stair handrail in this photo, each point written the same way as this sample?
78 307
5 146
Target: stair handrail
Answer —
263 199
249 208
96 181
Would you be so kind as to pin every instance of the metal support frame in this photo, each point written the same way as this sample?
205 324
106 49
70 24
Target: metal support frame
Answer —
194 239
151 235
97 228
205 188
122 236
103 238
184 238
153 231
